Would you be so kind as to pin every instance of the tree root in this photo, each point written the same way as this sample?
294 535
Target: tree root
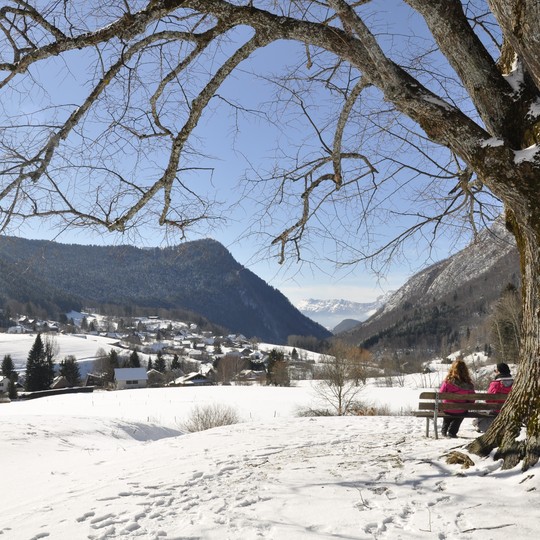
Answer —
482 446
511 452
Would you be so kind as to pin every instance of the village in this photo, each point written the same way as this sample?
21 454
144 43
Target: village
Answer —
154 352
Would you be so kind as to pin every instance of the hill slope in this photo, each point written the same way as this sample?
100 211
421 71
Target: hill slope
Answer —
200 276
447 301
99 466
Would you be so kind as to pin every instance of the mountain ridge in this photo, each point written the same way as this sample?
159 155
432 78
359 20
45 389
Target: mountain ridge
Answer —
331 313
448 303
199 276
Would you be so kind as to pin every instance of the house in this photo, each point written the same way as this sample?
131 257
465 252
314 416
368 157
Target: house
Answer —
4 385
130 378
93 379
155 378
19 329
59 382
48 326
250 376
193 379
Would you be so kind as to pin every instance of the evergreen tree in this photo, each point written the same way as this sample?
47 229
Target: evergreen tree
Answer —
113 363
150 365
7 366
175 364
278 373
70 370
12 388
159 364
39 367
134 360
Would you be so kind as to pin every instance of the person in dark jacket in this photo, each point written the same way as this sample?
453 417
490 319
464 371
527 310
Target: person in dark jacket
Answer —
502 384
457 381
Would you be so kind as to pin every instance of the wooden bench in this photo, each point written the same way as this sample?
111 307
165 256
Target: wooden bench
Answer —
431 406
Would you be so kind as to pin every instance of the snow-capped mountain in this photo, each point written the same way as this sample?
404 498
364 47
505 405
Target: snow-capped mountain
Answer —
330 313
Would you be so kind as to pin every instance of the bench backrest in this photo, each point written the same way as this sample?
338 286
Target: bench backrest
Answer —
429 401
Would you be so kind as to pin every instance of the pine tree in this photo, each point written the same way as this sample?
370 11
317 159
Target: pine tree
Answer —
70 370
150 365
159 364
113 363
7 366
12 388
175 364
39 367
134 360
277 373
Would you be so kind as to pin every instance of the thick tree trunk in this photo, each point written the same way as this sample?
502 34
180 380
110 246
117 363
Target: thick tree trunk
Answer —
516 430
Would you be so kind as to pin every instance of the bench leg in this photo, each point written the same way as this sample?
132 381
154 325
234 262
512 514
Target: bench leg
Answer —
435 428
427 427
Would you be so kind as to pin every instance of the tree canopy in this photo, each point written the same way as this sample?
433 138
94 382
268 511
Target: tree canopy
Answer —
409 127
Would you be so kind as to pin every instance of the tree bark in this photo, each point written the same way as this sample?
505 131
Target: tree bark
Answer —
521 412
516 431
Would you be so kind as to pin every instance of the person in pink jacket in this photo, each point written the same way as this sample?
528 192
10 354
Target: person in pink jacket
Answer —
457 381
502 384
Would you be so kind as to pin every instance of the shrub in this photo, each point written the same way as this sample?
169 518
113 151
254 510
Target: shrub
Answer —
210 416
357 409
308 412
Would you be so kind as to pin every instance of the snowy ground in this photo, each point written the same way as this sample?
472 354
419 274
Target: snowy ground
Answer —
83 346
116 465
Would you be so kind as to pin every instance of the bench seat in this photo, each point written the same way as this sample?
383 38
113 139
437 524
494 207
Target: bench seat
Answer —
431 406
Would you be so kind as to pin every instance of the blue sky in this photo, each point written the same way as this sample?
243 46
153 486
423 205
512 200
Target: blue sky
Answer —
230 153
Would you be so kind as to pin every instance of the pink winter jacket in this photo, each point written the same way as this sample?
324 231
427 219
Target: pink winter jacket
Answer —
503 385
456 388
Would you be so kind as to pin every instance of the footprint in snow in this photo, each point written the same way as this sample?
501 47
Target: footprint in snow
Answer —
85 516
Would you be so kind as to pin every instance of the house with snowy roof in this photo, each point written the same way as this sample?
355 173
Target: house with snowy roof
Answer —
125 378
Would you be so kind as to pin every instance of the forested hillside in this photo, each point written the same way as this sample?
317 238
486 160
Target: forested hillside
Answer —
199 276
446 306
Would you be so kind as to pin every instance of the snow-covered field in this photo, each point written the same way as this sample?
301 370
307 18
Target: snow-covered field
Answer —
117 465
82 346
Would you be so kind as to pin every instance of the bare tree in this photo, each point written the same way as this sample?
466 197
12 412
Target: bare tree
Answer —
229 367
51 347
341 374
443 120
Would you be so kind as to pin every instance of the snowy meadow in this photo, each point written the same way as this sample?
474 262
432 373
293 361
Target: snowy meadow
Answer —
118 464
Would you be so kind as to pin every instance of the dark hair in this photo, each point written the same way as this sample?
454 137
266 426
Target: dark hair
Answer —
503 369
